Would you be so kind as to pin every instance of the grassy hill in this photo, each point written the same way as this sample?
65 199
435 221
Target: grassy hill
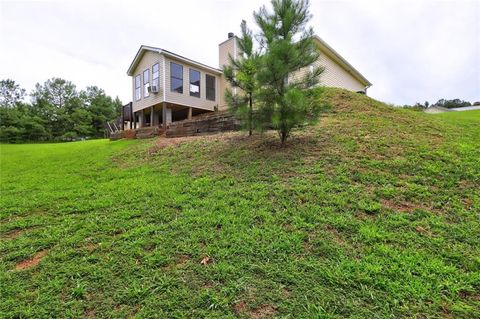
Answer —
374 212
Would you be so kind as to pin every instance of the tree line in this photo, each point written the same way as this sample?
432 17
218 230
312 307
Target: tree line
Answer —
449 104
57 111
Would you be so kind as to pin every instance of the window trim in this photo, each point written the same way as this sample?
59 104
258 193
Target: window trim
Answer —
145 90
176 78
139 96
158 74
199 82
214 87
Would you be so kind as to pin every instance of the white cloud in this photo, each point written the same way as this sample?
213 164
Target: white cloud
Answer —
410 50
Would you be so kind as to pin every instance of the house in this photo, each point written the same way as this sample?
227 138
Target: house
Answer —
167 87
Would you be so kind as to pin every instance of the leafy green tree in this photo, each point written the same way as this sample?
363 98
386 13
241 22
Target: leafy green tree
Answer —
18 124
289 47
452 103
101 107
57 112
82 123
10 93
54 102
34 128
241 74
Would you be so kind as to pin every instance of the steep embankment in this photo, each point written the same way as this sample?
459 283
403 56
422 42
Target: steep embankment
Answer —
371 213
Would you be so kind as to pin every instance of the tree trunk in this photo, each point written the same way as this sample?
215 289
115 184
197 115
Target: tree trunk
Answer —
250 115
283 137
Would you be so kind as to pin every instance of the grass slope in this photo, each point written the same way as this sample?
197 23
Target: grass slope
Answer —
372 213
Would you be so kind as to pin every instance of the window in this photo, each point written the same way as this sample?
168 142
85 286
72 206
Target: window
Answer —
156 75
146 82
137 88
176 77
210 87
194 83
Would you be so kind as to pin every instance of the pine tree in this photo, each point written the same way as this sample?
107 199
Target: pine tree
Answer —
284 98
241 74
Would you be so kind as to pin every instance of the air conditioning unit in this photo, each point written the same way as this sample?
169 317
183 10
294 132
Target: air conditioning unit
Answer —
153 88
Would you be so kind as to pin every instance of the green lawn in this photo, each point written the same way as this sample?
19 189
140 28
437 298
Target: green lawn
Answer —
374 212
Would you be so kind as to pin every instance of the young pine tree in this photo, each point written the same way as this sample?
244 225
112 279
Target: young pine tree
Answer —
284 99
241 74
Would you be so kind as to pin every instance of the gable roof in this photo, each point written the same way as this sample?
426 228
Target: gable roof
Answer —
341 61
320 42
145 48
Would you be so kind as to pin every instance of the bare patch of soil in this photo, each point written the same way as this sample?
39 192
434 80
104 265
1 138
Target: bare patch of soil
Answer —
265 311
31 262
182 259
400 207
240 307
14 233
90 313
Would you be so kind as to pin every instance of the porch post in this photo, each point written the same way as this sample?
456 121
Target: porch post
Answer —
151 116
134 120
123 118
189 113
164 115
131 115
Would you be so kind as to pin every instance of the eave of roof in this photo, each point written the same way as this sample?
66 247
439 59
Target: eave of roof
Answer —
170 54
344 63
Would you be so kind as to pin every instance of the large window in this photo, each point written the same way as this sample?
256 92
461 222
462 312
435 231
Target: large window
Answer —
137 88
210 87
194 83
146 82
156 75
176 77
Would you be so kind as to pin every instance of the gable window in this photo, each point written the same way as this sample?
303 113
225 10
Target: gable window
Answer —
194 83
137 88
156 76
176 77
210 87
146 82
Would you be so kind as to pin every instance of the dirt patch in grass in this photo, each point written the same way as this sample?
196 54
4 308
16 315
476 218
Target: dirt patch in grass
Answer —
265 311
31 262
469 295
240 307
423 231
12 234
400 207
90 313
182 259
163 142
337 237
90 246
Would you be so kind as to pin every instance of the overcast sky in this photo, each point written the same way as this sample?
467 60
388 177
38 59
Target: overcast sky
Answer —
410 50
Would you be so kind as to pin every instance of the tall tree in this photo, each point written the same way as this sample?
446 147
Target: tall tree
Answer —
241 74
285 102
55 101
10 93
101 107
